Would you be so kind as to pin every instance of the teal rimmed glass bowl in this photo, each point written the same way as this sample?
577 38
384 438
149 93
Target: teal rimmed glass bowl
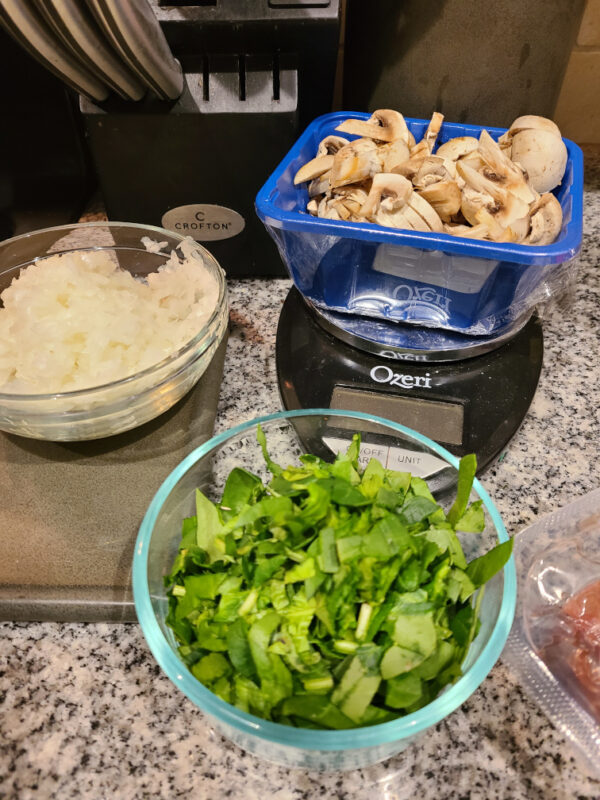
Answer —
289 434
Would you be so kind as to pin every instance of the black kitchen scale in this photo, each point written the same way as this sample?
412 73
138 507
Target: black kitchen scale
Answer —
469 394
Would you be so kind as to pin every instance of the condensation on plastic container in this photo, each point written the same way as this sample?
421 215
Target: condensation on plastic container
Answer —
558 562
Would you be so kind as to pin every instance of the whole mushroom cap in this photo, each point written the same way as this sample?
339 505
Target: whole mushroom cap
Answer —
532 122
542 155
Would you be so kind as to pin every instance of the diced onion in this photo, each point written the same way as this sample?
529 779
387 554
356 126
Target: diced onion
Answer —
76 320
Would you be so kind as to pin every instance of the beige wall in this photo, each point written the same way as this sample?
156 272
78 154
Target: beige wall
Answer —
578 109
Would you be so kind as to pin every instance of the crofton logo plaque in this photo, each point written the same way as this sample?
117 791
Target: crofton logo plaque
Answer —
204 222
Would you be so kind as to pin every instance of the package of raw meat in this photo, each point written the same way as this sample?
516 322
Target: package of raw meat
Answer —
554 644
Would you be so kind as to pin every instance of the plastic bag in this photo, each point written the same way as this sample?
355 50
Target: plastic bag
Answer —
554 644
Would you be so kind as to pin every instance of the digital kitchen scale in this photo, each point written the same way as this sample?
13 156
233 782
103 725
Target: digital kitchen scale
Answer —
469 394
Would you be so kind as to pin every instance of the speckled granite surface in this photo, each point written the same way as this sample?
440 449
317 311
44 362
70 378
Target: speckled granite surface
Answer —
86 713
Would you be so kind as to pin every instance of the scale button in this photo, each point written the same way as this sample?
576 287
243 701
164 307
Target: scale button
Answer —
397 458
420 464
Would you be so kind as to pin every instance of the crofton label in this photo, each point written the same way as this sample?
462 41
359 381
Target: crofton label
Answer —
204 222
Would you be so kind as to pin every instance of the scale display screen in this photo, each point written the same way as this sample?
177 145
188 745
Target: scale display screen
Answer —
440 421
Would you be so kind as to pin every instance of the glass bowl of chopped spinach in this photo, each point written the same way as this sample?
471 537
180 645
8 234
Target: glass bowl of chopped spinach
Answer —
324 585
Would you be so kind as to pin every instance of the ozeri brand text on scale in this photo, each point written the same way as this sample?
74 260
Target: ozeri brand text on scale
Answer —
469 394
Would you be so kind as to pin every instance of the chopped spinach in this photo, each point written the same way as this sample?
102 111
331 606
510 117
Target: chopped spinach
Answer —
331 597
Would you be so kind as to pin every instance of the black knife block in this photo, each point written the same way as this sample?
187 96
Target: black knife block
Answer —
250 88
151 158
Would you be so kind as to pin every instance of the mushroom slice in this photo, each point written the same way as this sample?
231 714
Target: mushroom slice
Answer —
331 144
425 210
403 217
351 199
474 160
387 203
458 147
412 165
326 209
320 185
392 154
433 130
341 208
468 231
472 201
546 220
501 169
445 198
414 220
518 230
506 206
384 125
432 170
514 233
355 162
313 169
390 190
313 207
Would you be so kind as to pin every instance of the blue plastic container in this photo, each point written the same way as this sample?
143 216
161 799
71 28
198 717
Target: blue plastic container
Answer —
437 280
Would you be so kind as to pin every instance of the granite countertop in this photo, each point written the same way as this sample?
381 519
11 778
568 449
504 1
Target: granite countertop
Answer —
86 713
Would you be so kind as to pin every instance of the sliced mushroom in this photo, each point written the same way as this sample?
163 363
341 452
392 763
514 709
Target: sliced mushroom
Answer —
326 209
474 159
412 165
412 220
320 185
387 203
384 125
313 169
513 233
313 207
469 187
330 145
467 231
458 147
432 170
518 229
349 200
388 190
546 220
392 154
403 217
322 162
502 170
445 197
433 130
506 207
354 162
472 200
425 210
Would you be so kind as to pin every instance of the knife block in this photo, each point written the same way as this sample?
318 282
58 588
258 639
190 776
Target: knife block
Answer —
255 74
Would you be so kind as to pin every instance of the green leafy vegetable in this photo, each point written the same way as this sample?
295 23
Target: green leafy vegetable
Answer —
332 597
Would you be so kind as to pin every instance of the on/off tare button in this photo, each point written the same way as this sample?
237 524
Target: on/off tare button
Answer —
396 458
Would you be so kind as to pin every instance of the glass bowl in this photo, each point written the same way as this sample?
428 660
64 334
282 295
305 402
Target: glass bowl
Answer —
288 435
114 407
